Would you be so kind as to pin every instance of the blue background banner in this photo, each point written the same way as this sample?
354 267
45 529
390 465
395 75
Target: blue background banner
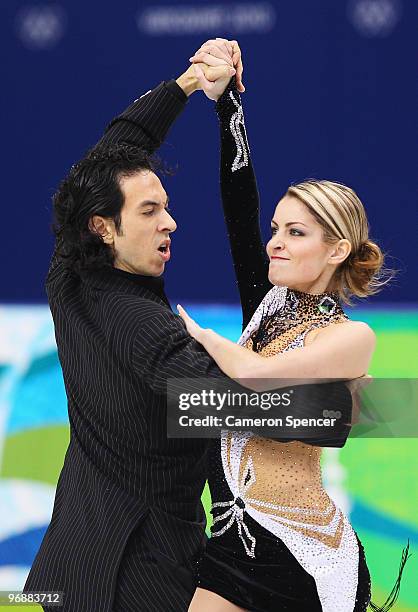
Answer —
331 93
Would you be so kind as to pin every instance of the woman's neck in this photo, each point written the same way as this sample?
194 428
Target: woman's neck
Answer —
313 288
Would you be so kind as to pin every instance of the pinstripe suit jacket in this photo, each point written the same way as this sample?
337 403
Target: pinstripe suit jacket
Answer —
118 341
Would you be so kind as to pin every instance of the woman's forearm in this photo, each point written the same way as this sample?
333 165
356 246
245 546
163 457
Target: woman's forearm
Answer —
234 360
341 352
240 203
250 369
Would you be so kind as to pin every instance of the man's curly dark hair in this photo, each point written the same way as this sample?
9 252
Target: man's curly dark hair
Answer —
92 187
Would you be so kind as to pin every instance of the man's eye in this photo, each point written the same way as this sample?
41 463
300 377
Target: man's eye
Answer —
148 213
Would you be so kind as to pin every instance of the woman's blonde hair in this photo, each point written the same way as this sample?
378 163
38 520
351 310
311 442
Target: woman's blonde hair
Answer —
340 213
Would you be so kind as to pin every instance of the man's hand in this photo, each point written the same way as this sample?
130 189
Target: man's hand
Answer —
214 81
214 63
356 385
217 52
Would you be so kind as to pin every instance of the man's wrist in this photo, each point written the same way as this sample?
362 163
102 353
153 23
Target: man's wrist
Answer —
188 82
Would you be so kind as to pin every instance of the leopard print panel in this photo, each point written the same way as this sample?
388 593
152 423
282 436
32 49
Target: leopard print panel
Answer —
288 327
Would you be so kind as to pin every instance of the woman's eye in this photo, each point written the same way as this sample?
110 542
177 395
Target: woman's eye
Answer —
293 232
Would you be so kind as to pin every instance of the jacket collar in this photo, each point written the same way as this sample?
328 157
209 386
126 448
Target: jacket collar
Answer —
114 279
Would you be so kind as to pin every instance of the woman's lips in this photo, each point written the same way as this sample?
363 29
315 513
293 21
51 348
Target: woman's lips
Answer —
277 258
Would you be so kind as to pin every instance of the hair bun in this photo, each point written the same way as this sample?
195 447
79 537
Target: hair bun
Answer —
365 272
368 257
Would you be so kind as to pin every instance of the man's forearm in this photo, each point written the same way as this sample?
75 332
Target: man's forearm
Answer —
146 122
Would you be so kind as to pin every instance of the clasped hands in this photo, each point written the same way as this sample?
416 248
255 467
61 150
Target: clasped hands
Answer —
214 63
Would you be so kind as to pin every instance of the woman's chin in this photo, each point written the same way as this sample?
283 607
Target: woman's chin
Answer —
277 279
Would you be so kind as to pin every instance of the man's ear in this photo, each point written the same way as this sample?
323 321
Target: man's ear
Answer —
102 227
340 251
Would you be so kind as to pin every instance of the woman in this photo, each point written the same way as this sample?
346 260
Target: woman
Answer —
278 540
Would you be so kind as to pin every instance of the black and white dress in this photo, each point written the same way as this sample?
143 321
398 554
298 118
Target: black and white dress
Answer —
265 556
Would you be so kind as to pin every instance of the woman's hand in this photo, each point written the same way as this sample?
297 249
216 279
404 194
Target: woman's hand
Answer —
213 80
215 63
216 52
192 327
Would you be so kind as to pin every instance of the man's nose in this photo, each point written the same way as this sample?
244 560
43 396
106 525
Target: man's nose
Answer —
168 224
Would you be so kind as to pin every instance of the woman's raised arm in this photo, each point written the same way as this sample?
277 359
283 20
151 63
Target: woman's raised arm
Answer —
241 203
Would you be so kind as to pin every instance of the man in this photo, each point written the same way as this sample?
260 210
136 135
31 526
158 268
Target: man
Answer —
127 524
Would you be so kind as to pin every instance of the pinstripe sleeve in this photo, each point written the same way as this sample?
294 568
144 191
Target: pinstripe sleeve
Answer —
163 349
145 123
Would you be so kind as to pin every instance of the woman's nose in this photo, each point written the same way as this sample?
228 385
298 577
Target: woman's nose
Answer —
274 244
278 244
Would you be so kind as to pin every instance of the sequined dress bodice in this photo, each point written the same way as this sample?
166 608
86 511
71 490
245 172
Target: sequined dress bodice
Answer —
287 473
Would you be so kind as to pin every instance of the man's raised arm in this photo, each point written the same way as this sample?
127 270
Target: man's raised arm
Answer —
146 122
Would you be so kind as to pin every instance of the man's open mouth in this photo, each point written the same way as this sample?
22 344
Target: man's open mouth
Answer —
164 250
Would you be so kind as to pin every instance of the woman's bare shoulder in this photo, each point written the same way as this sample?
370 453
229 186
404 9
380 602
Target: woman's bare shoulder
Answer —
355 330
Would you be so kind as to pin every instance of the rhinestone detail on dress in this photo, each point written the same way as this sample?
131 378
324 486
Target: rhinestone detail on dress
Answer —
235 512
237 120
